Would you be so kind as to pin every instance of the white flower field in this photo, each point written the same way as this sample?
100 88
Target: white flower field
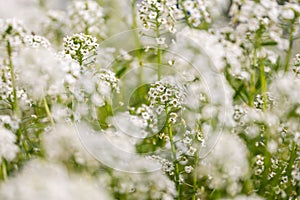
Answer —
149 99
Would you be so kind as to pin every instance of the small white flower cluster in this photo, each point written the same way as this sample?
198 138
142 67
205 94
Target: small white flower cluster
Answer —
12 31
266 16
80 16
8 148
87 16
167 166
91 88
81 47
259 101
6 88
296 65
196 12
159 15
259 165
165 96
7 121
148 116
36 41
239 112
188 147
107 77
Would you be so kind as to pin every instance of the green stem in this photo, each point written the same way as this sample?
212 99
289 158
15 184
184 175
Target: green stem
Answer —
252 79
48 111
4 170
159 62
159 51
185 14
15 106
262 74
195 182
173 148
252 88
289 51
263 83
136 40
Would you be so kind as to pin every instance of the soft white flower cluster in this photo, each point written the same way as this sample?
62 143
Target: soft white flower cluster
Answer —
42 180
39 72
147 115
8 146
80 16
88 16
68 146
141 186
266 17
6 88
12 31
36 41
226 164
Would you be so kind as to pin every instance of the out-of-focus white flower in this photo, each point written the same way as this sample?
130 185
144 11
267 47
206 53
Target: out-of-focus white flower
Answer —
12 31
227 162
66 141
8 148
154 185
88 17
41 180
39 72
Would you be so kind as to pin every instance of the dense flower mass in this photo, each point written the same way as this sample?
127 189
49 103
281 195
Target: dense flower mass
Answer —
149 99
88 17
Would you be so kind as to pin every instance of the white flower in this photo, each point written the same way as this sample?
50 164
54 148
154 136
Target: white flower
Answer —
39 72
41 180
160 40
227 162
188 169
8 148
152 15
67 144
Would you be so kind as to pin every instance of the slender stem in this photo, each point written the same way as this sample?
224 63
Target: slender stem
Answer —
252 88
136 40
195 182
263 83
173 148
48 111
15 105
4 170
185 14
159 51
262 74
289 51
159 62
252 79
